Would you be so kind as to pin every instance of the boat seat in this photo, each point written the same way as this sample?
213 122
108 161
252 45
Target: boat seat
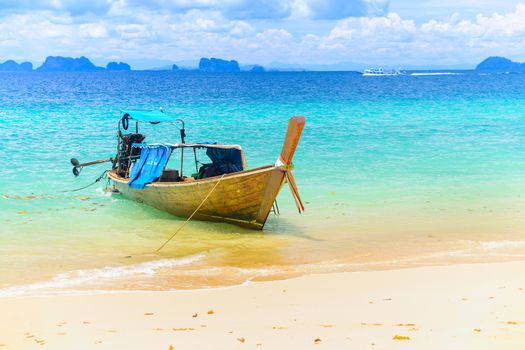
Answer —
169 175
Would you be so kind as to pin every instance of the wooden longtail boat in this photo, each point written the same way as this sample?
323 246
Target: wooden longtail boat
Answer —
244 197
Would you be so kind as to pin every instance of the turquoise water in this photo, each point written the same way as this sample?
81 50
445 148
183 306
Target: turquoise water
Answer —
394 172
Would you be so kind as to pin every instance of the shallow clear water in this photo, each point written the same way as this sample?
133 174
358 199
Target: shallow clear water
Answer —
395 171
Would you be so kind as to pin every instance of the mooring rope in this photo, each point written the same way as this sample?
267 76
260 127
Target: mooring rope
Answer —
104 174
192 214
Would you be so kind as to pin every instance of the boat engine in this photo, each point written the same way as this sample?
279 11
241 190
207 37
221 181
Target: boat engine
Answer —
126 152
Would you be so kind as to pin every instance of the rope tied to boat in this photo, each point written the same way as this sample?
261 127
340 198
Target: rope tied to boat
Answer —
103 175
287 169
192 214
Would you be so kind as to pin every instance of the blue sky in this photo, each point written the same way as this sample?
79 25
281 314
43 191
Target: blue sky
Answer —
150 33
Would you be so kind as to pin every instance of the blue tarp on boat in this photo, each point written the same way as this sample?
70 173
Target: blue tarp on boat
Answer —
149 167
227 160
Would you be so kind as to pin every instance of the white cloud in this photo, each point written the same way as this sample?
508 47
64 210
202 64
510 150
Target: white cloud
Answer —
93 30
240 29
425 10
273 38
450 41
385 29
125 33
132 31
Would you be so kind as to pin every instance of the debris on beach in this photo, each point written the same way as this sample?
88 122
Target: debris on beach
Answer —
241 339
23 198
317 341
194 315
40 341
211 312
400 337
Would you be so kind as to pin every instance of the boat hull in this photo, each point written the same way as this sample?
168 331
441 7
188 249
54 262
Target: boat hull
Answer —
244 198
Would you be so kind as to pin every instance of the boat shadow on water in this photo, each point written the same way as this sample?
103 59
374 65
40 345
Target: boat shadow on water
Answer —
276 225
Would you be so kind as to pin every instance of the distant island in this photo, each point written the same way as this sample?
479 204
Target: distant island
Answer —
83 64
493 64
257 69
217 65
68 64
12 66
497 64
120 66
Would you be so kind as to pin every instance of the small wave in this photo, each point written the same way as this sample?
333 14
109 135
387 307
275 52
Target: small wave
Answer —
435 73
504 249
101 191
79 277
491 245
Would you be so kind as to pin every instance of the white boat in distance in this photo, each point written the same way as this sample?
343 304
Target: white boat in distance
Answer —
379 72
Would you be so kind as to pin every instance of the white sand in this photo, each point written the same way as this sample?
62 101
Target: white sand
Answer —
452 307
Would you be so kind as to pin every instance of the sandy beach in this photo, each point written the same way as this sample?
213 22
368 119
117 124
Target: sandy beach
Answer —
478 306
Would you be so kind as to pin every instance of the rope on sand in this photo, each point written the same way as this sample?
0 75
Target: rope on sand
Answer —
192 214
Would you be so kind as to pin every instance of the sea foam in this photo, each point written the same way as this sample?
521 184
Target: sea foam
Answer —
79 277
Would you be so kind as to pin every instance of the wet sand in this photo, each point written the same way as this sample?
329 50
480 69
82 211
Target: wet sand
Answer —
478 306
